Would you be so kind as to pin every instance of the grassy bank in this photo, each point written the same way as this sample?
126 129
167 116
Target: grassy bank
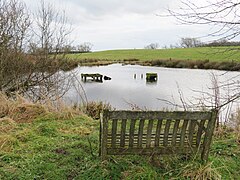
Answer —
48 144
223 58
202 53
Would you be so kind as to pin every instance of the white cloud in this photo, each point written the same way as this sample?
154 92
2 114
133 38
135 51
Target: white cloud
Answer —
111 24
103 7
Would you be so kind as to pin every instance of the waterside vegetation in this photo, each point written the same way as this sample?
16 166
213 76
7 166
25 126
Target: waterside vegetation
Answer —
222 58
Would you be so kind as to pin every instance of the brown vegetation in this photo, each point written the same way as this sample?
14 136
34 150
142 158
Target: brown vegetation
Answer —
30 57
20 110
93 109
198 64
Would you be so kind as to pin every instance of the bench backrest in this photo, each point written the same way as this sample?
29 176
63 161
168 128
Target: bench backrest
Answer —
156 132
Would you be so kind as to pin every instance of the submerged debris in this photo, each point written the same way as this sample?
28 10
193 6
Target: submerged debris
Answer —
107 78
96 77
151 77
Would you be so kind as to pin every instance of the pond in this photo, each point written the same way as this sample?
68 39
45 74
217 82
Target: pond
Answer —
128 86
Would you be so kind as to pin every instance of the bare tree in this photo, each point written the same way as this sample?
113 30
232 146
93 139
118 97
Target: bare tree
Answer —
14 20
50 31
85 47
223 15
152 46
189 42
36 74
50 36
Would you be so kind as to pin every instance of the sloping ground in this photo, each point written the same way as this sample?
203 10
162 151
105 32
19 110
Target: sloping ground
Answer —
202 53
64 145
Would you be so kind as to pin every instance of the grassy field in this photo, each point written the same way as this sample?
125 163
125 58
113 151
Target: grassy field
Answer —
64 145
203 53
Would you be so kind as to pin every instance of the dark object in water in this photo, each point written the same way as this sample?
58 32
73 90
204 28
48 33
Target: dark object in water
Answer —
151 77
94 77
107 78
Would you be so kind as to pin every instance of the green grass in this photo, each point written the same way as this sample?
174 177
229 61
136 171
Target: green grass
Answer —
202 53
58 148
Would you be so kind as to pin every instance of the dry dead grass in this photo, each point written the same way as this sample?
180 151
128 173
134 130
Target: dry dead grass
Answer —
27 112
21 110
201 172
6 125
7 142
235 124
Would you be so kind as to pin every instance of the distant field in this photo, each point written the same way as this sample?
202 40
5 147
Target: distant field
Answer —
203 53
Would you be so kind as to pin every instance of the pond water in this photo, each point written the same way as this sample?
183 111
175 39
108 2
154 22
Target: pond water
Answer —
128 86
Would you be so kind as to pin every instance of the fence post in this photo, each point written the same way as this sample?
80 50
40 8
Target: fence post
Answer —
103 136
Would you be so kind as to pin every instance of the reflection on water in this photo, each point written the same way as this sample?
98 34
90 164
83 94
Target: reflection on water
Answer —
128 85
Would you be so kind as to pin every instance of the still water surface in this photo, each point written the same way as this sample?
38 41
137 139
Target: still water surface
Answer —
124 89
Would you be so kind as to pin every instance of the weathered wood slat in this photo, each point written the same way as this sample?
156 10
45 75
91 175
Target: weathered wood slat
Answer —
183 132
191 130
140 132
166 132
131 132
197 115
123 132
114 132
175 130
158 132
149 132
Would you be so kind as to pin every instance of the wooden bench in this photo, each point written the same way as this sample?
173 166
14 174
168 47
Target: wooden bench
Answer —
156 132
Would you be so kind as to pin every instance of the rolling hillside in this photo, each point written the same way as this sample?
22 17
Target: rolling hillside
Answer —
202 53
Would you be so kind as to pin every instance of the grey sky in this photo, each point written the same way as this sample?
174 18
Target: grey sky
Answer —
118 24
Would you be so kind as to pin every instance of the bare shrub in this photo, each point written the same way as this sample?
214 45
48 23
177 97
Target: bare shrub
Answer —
14 20
94 109
35 74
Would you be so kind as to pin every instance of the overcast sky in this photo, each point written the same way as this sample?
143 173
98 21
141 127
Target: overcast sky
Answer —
122 24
